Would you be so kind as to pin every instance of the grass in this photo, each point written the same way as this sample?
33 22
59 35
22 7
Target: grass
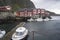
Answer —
8 26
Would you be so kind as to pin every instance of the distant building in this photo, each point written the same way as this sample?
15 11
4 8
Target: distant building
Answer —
5 11
5 8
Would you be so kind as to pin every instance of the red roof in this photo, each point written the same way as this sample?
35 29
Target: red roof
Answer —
4 8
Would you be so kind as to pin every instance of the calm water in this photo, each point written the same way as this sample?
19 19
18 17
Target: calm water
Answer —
48 30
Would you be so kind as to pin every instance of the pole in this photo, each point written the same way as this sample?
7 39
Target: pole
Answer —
33 35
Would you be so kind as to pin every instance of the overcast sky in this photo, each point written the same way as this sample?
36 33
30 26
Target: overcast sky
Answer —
51 5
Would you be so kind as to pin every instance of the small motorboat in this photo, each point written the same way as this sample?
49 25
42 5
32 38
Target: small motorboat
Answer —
2 33
20 33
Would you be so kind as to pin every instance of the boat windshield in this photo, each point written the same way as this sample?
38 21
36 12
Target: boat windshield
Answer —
20 33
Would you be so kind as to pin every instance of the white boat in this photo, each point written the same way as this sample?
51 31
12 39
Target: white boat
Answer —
2 33
31 19
20 33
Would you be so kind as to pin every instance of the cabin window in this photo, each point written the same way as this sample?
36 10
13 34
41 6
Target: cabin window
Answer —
19 33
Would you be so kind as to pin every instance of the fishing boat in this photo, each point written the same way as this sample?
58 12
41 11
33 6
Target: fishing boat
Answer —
20 34
2 33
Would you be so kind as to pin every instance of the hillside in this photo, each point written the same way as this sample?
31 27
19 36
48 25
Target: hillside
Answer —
16 4
53 14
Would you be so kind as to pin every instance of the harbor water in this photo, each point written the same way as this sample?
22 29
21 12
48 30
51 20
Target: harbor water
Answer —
47 30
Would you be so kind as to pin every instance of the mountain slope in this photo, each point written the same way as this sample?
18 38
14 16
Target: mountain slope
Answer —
16 4
53 14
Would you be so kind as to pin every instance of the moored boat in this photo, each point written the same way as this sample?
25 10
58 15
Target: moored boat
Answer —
2 33
20 33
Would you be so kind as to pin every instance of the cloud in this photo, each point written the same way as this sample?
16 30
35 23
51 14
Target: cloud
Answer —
52 5
52 0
